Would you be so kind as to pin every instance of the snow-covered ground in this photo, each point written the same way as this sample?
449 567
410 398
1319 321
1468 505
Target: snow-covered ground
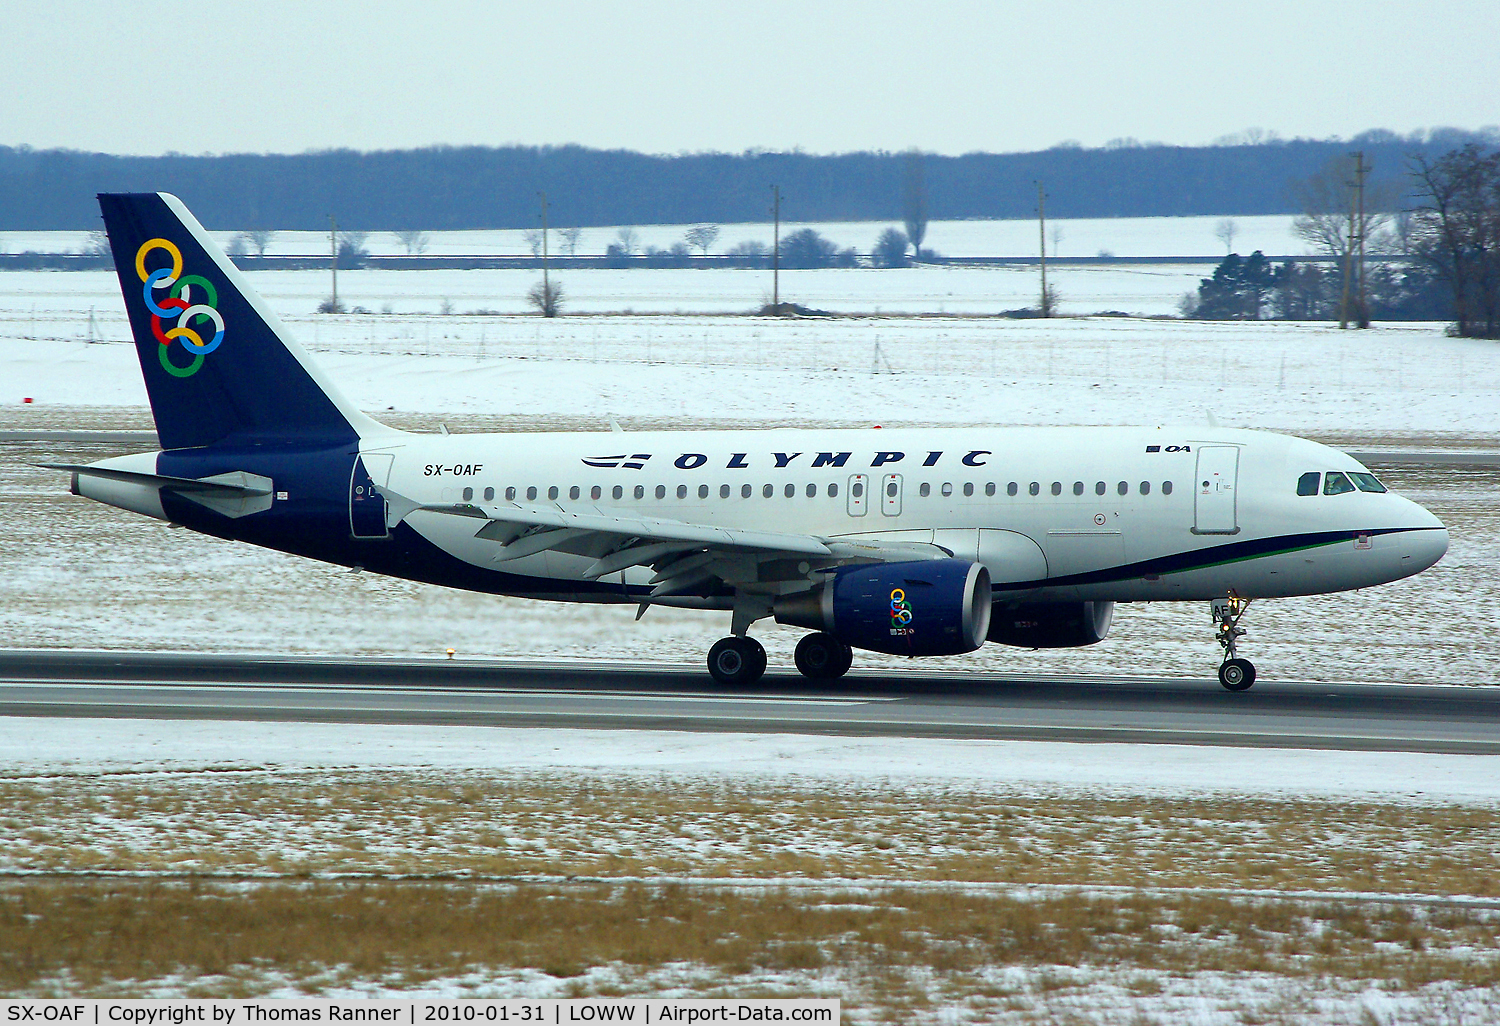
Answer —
1066 237
1393 379
94 746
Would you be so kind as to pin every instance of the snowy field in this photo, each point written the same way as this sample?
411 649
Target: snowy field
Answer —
1066 237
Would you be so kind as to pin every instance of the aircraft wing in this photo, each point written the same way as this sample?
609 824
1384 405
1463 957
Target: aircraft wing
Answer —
685 556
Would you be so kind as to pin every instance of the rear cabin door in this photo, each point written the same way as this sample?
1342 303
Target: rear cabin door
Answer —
366 505
1214 509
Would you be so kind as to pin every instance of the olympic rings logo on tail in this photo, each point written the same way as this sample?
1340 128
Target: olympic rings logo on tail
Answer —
900 608
179 306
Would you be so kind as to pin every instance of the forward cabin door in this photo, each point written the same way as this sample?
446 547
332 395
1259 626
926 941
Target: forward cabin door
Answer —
1214 507
366 505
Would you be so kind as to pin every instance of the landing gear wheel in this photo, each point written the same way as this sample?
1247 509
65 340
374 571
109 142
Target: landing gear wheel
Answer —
823 657
737 661
1237 674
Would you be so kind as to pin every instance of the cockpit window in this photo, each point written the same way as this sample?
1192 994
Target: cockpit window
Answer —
1367 483
1336 484
1307 484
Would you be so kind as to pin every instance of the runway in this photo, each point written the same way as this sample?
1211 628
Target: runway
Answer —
1140 709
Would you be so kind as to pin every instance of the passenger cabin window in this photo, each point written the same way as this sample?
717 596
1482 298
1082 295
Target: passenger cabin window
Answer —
1336 484
968 488
1077 487
552 492
833 491
573 492
618 492
1123 487
790 490
947 489
489 493
745 491
925 490
768 490
1145 487
1100 488
640 491
1367 483
703 491
595 492
1166 487
661 491
1307 484
1011 488
1056 487
510 495
989 489
1035 488
857 489
723 491
812 491
682 491
531 494
468 494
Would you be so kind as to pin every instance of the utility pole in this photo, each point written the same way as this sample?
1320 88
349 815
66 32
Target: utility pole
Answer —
776 251
1041 216
333 260
1362 310
546 281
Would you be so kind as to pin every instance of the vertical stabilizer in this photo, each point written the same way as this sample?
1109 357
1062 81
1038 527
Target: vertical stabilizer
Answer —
220 368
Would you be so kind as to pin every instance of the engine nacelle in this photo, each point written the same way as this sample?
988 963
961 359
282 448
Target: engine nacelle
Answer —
929 607
1051 624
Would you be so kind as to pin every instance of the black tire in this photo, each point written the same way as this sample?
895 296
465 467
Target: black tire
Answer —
736 661
822 656
1237 674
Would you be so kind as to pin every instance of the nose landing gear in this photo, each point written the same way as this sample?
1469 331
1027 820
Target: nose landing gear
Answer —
1235 674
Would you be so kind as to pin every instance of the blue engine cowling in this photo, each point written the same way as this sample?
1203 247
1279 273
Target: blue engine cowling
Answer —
929 607
1051 624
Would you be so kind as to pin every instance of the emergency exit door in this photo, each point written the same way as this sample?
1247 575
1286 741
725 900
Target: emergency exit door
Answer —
1214 507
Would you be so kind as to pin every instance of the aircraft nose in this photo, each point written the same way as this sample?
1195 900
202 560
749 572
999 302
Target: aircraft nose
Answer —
1422 548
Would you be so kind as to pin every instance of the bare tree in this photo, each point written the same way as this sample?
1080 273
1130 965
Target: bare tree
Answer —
259 240
1326 199
1057 237
533 238
1457 232
546 298
1225 231
570 237
914 202
415 241
702 236
628 240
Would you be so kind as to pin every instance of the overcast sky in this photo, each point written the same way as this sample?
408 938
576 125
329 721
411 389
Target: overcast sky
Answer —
272 76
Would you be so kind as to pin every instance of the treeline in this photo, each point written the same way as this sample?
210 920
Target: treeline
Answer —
496 187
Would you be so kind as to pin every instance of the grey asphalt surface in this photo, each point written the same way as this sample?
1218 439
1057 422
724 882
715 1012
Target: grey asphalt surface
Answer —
1141 709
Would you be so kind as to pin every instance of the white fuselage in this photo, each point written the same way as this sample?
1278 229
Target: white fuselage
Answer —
1056 514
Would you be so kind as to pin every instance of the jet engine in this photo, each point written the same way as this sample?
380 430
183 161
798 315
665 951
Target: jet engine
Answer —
929 607
1051 624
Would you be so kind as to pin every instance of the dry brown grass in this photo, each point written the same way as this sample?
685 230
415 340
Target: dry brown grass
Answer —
100 935
499 824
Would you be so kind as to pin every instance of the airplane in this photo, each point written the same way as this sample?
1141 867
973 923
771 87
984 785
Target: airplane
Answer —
915 542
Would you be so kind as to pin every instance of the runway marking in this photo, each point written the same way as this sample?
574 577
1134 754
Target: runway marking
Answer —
220 687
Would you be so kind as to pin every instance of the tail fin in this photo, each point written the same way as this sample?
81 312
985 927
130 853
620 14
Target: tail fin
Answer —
219 366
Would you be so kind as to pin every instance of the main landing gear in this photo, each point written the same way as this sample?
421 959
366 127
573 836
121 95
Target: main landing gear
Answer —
737 660
823 657
1235 674
740 660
